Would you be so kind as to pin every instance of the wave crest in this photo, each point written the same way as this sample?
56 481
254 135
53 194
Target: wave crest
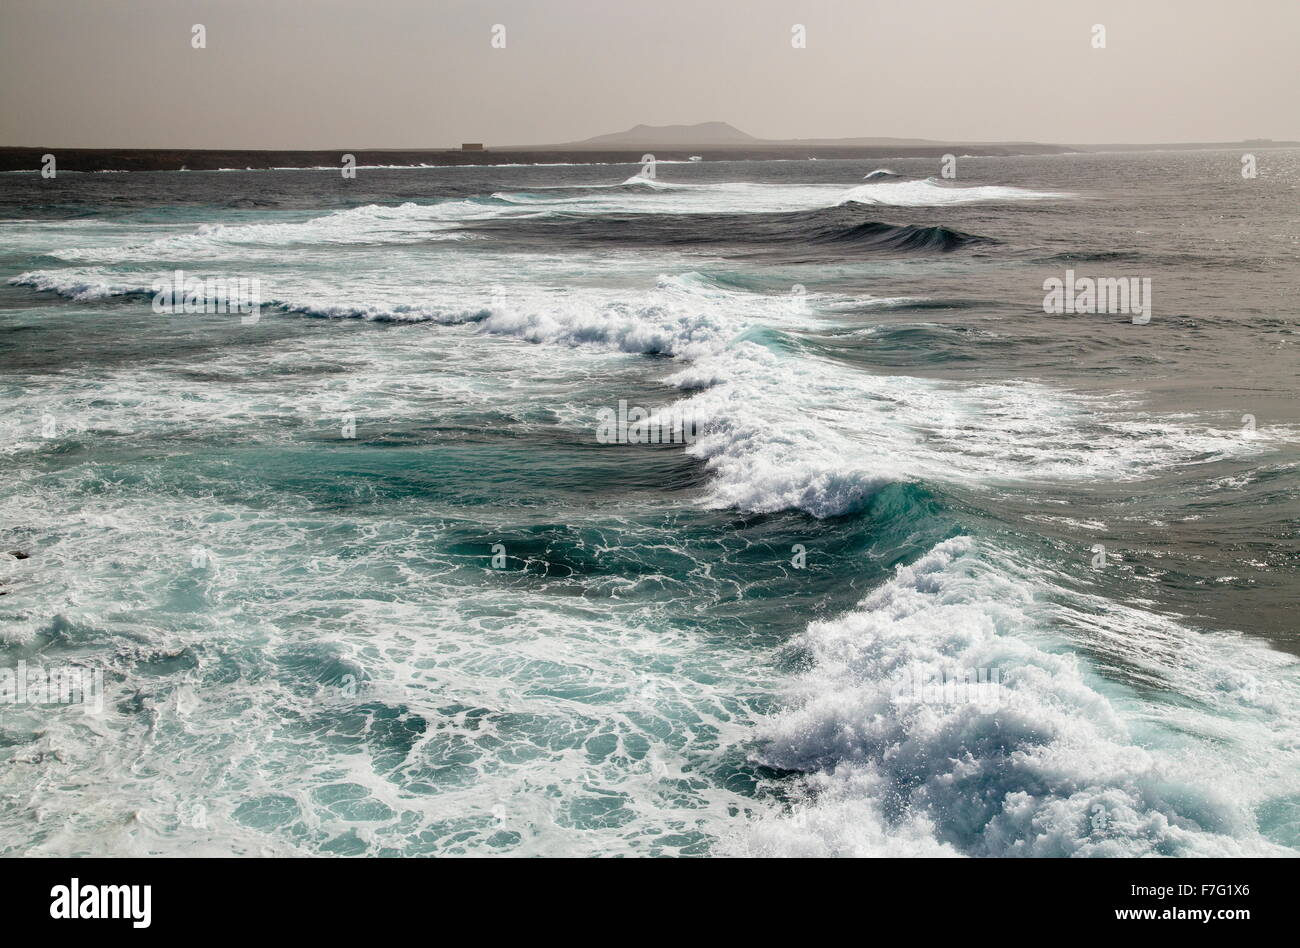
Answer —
1047 766
931 193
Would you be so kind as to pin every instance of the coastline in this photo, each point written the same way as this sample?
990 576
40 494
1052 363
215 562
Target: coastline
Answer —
156 159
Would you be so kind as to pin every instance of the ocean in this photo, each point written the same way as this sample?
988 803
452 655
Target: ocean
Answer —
929 570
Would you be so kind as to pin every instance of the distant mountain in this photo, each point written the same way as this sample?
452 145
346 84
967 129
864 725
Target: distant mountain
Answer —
722 136
668 136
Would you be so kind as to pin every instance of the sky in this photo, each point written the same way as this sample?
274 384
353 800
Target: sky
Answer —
357 74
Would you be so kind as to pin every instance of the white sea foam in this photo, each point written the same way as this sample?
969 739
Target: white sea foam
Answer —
785 430
413 222
929 192
1061 763
225 686
81 284
368 224
642 195
642 181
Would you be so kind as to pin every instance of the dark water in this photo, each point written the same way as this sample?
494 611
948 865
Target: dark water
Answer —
362 578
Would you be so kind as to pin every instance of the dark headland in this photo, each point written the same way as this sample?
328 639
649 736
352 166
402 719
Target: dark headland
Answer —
711 141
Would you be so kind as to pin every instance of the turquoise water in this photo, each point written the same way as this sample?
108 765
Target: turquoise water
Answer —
362 579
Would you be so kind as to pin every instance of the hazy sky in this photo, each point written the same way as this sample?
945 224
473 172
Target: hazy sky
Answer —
423 73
